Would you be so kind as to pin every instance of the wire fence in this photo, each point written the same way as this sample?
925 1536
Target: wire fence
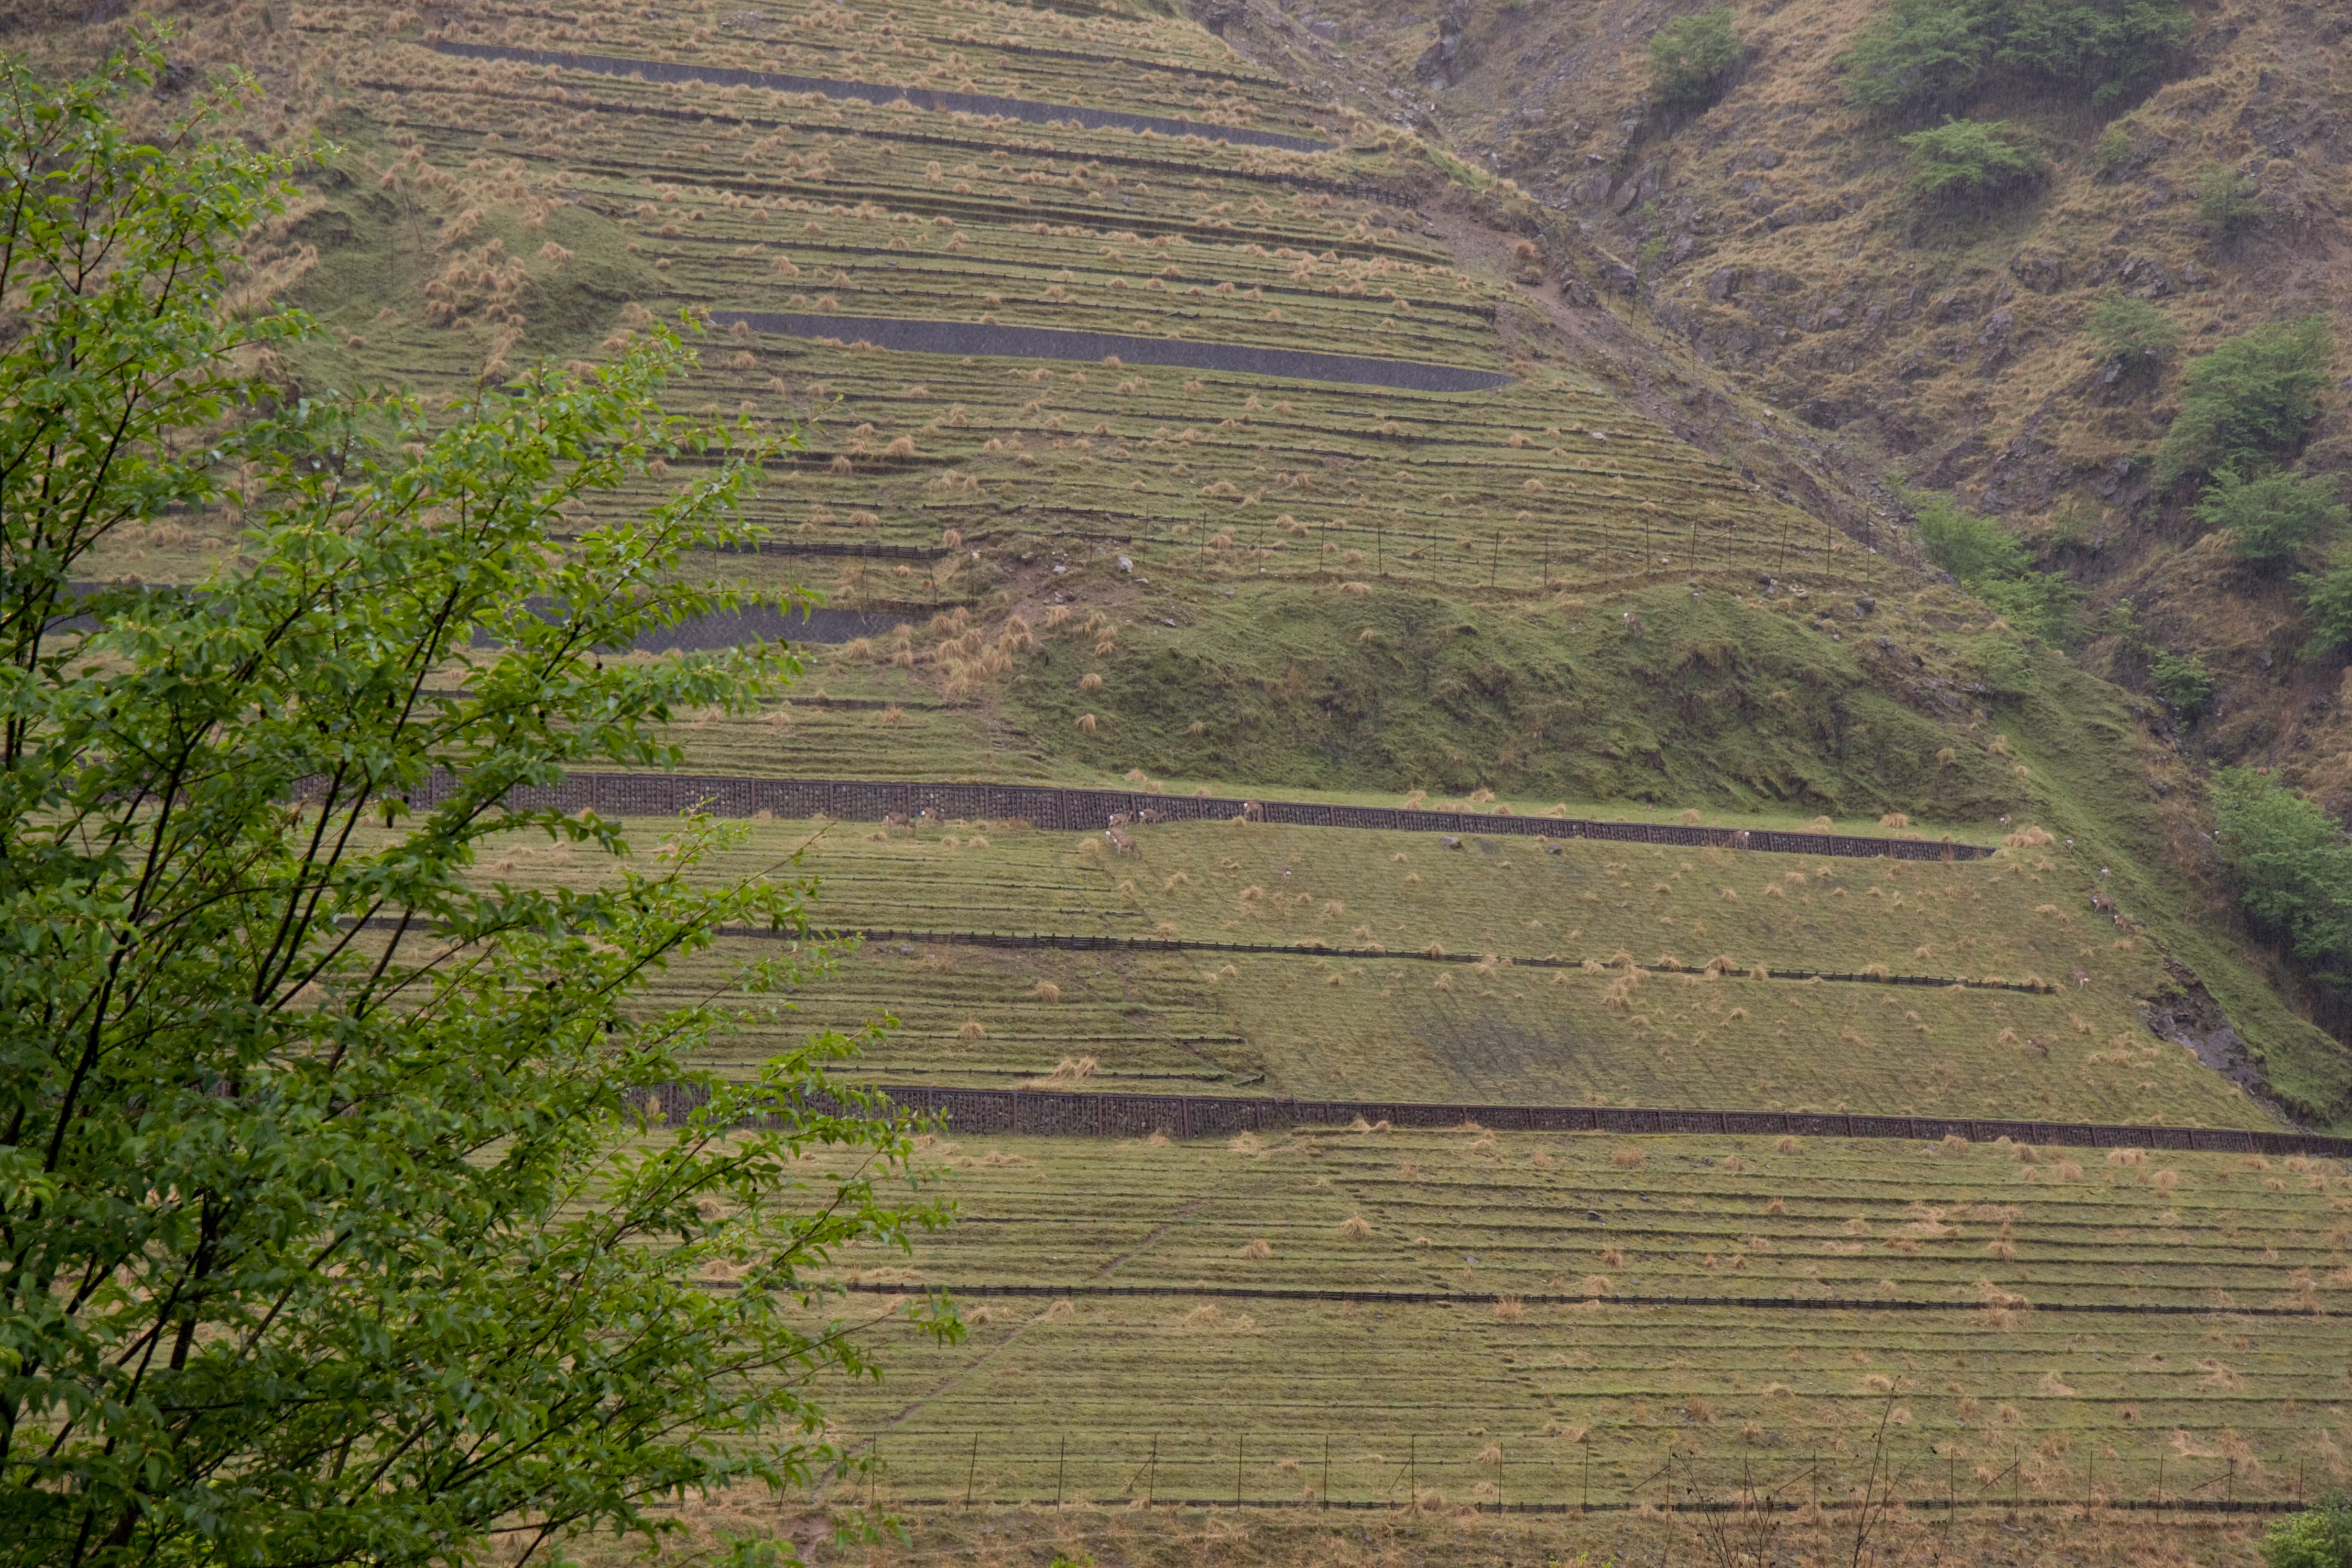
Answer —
1693 1471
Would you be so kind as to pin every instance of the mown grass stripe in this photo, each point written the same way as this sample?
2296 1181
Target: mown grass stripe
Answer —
882 95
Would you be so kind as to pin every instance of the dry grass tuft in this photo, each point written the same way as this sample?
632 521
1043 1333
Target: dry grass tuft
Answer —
1072 1072
1356 1227
1509 1309
1784 1145
972 1032
1629 1157
1256 1250
1045 990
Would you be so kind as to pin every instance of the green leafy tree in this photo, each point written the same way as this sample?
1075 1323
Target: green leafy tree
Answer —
1994 564
2114 48
2272 516
1920 57
2251 401
331 1230
2293 865
2180 680
2326 597
1691 58
2131 332
2318 1537
1963 158
2228 201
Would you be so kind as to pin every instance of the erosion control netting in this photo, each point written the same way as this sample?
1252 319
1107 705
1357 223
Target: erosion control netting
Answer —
985 338
1083 810
883 95
1047 1112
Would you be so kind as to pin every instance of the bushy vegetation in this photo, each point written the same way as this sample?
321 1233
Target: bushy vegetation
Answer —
2131 332
2326 597
2319 1537
1924 57
2293 865
2251 401
1995 565
2227 201
1691 58
2271 517
1968 158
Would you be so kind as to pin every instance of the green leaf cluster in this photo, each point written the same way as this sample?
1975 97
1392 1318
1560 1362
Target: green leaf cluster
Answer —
2180 680
1923 57
2227 200
1968 158
2293 865
2251 401
1995 565
2318 1537
1691 58
2132 332
333 1226
2272 516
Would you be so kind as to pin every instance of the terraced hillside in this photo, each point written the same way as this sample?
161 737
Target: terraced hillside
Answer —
1543 1318
1434 563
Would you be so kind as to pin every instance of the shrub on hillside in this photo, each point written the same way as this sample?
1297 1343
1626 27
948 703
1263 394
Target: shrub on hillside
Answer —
2227 201
2271 518
2131 333
1995 565
1963 158
2249 401
1920 57
2318 1537
2326 597
2293 864
1924 55
2112 46
2181 680
1691 58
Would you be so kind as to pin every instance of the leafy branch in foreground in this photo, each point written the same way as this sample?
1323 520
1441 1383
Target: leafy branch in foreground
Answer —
331 1230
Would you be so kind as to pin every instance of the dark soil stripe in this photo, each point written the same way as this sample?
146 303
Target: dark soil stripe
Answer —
1082 943
882 95
1488 1299
982 337
1052 1112
1081 810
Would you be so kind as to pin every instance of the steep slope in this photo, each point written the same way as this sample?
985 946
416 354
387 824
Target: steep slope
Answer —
1098 525
1774 235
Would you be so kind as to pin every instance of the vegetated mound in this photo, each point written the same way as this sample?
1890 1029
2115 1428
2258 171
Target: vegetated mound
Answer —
1099 567
1794 212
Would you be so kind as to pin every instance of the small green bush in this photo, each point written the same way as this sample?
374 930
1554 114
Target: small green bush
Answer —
2326 597
2271 518
2249 401
1995 565
2112 46
2228 201
2295 872
1968 158
1691 58
2319 1537
1920 57
1924 55
2180 680
2132 333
